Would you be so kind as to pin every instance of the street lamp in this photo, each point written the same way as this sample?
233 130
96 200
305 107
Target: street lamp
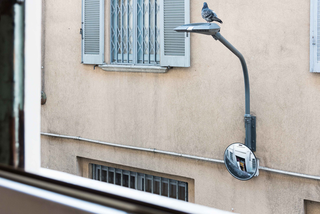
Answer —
214 30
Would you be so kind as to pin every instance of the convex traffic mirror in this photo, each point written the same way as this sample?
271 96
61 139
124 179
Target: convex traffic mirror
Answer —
240 161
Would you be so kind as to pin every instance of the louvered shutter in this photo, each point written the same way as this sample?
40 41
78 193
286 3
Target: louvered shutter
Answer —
175 47
315 36
92 32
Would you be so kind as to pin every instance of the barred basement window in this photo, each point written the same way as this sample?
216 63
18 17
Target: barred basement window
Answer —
140 181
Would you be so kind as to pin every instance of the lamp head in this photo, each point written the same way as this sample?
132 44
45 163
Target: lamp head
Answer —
203 28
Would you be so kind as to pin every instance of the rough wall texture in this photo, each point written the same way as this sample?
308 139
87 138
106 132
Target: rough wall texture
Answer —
197 110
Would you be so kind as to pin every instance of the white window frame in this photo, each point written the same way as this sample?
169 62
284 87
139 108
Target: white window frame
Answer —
32 81
314 36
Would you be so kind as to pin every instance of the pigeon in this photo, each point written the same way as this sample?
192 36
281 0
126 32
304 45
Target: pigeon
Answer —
208 14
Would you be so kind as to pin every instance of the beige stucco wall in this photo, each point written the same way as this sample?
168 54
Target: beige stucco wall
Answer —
197 110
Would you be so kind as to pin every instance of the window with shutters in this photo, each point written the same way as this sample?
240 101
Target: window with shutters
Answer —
315 36
141 32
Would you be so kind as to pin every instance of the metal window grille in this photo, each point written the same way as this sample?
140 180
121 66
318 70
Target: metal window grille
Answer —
140 181
135 33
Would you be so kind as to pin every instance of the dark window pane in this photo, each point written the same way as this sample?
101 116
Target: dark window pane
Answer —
118 178
164 189
111 177
125 181
132 182
98 175
104 176
173 191
149 185
142 184
181 193
156 187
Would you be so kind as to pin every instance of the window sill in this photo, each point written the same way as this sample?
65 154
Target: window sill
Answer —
134 68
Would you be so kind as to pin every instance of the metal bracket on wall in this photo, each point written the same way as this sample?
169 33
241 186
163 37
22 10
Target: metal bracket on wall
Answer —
253 133
43 98
81 32
250 124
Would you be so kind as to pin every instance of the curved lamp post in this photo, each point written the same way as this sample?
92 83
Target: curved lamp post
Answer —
213 30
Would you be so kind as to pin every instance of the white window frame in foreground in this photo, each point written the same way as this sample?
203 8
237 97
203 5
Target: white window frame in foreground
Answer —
315 36
148 183
141 33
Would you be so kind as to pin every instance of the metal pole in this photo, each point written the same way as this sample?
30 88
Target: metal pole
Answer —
249 119
219 37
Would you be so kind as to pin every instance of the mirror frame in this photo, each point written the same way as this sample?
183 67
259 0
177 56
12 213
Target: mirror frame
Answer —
239 178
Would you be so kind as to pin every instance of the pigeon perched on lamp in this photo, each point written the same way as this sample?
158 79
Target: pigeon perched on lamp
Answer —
208 14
